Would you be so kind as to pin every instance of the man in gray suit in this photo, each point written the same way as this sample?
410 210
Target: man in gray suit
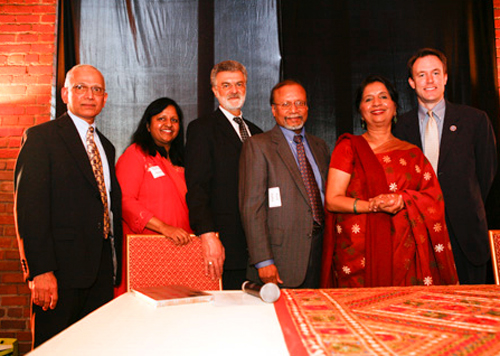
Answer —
281 189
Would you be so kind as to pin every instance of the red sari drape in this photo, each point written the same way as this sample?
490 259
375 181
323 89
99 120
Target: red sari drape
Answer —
411 247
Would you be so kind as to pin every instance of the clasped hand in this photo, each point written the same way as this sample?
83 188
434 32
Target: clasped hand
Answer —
386 203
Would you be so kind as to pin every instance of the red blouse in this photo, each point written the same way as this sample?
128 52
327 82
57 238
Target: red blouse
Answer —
151 186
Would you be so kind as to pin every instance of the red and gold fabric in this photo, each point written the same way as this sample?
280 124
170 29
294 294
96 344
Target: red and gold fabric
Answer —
436 320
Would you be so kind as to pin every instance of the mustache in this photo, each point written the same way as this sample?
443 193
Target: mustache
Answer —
233 96
294 116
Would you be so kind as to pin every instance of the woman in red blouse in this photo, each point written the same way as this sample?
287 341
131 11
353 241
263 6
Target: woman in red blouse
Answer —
151 176
389 227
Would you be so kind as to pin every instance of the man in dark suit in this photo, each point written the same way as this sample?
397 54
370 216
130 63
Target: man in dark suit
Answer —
68 210
460 143
212 153
282 181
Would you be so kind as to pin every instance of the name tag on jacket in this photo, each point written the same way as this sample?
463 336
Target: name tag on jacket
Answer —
274 197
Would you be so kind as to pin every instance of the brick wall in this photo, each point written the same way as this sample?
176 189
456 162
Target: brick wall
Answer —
27 46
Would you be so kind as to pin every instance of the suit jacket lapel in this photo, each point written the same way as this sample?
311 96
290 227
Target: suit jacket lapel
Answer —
451 129
70 136
314 146
413 129
254 130
227 129
286 155
108 149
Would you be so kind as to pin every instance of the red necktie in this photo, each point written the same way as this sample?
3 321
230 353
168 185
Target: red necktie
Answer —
309 181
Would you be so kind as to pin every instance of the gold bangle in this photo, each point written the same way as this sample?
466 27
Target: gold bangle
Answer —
354 206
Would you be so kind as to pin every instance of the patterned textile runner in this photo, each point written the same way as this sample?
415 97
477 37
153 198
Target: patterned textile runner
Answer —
440 320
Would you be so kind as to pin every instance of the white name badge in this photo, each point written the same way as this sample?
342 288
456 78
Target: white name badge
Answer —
156 172
274 197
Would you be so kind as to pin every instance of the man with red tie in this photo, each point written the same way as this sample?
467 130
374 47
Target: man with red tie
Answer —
282 181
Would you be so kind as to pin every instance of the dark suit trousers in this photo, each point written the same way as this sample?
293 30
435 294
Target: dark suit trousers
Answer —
467 272
232 279
73 303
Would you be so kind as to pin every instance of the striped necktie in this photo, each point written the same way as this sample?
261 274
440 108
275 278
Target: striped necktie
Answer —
243 130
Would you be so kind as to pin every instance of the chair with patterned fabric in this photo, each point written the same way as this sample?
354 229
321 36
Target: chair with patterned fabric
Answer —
154 260
495 253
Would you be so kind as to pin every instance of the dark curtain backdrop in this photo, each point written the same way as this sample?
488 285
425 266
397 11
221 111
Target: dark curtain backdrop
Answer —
67 45
331 46
147 49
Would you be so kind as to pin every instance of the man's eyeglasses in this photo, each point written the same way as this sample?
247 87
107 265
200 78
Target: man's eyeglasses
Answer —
83 89
287 104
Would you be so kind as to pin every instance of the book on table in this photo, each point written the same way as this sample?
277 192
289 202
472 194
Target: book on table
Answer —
160 296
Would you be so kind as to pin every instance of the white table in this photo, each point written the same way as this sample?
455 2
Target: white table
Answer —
233 324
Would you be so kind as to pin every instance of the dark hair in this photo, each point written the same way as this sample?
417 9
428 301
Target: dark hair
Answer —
142 137
281 85
373 79
424 52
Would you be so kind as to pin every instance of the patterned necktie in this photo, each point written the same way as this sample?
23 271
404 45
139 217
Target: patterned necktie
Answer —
96 163
432 141
243 130
309 181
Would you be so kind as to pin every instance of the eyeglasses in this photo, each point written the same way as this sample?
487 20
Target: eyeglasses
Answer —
83 89
287 104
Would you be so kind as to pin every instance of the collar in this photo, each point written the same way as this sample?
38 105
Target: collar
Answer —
438 110
228 115
80 123
289 134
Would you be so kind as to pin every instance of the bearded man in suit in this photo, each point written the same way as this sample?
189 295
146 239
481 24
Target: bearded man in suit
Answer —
68 209
464 157
282 182
212 153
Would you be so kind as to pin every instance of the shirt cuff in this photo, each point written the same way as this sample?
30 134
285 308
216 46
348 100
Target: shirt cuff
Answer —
264 263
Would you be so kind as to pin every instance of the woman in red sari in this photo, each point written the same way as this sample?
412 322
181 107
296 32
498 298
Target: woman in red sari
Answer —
389 227
151 176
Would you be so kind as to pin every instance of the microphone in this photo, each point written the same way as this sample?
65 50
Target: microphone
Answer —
268 292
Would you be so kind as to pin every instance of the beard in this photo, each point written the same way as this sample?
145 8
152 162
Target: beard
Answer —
226 104
294 127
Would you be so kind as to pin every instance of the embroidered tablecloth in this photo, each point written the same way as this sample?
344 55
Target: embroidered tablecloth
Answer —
441 320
